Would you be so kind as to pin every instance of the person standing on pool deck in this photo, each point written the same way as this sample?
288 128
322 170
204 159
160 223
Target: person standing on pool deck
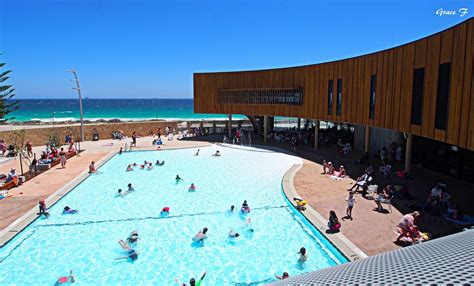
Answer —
178 179
62 157
134 139
192 282
43 210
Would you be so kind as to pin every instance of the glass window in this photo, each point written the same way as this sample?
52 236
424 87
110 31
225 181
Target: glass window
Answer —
373 84
339 97
442 99
330 91
417 96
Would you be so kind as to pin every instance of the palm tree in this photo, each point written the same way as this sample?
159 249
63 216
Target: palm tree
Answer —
7 105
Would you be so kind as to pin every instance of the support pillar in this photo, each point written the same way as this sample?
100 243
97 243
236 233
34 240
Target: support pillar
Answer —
408 151
214 127
367 140
316 134
265 129
299 124
201 125
230 126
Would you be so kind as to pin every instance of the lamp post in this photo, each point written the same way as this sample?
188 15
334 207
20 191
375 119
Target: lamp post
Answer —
78 88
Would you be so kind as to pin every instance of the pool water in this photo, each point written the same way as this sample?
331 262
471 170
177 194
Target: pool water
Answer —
87 242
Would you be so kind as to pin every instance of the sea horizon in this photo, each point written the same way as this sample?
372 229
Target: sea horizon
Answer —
48 110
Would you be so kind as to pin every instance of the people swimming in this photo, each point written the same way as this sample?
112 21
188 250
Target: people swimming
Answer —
217 154
43 210
68 210
158 163
165 212
178 179
131 253
66 279
129 168
232 208
197 153
150 166
192 188
192 281
245 207
121 193
285 275
233 234
201 235
249 225
303 256
121 150
133 237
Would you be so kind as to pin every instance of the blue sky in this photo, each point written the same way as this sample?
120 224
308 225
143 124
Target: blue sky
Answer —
150 49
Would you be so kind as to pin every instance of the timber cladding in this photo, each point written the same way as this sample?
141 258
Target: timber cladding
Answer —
394 70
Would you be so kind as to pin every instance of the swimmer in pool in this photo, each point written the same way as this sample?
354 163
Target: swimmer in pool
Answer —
129 168
233 234
130 188
68 210
303 256
192 282
284 276
178 179
133 237
192 188
132 254
66 279
249 224
201 235
232 208
217 154
197 153
150 166
245 207
165 211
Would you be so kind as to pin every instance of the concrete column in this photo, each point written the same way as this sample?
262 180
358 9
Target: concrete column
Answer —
201 124
367 140
299 124
230 125
214 127
265 128
408 150
316 134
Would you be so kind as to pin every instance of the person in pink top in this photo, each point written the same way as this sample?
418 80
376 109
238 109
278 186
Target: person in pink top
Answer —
406 225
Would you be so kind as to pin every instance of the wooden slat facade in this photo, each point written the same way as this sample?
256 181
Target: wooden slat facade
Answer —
394 69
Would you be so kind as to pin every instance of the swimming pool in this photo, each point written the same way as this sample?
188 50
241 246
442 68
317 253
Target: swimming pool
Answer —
87 241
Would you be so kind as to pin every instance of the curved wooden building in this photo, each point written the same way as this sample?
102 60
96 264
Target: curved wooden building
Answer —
423 88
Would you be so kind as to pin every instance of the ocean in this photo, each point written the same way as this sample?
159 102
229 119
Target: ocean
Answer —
60 110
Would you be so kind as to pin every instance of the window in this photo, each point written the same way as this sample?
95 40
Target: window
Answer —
330 90
417 96
339 97
442 100
284 96
373 84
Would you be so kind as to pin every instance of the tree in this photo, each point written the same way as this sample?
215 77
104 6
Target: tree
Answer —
7 105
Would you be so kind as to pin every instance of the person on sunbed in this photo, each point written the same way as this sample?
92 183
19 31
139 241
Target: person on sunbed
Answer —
361 182
331 169
325 167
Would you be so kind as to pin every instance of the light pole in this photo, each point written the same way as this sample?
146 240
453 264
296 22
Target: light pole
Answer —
78 88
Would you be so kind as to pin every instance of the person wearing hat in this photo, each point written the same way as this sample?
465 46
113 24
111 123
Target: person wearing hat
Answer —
406 225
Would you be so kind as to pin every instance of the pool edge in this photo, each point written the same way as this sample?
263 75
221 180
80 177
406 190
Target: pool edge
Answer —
338 240
16 227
